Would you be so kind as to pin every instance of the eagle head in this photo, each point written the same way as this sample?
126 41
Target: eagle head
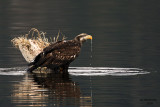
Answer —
83 37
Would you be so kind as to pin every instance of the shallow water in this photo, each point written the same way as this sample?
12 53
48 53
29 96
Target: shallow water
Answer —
121 71
84 71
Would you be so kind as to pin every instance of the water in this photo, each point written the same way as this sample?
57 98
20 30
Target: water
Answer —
56 89
120 70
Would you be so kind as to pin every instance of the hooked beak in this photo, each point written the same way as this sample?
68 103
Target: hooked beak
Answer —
88 37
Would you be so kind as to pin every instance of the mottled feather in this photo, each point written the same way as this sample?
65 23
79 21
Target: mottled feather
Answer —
58 54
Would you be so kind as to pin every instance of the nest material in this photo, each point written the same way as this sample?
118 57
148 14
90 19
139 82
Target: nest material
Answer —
31 47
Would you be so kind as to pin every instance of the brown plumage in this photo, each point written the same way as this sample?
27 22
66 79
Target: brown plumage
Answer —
59 54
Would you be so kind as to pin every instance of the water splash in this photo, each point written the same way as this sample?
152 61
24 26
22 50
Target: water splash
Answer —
104 71
84 71
12 71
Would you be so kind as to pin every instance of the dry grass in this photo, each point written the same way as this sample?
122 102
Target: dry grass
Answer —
33 43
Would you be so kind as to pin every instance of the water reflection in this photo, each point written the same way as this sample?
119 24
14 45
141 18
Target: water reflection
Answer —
48 89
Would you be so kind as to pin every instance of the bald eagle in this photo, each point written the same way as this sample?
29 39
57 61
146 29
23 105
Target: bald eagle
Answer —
59 54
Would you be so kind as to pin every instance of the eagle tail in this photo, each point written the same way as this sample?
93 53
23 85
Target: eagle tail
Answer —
37 58
38 61
31 68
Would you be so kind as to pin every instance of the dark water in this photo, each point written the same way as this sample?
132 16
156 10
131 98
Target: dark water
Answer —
125 63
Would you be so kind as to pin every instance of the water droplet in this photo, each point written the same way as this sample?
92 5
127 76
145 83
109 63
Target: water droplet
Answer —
91 45
91 55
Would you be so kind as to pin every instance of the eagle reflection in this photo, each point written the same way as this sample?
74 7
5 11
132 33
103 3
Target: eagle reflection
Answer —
48 88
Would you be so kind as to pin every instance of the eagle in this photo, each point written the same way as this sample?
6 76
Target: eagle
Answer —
59 54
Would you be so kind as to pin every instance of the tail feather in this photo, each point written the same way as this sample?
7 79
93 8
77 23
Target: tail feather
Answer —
31 68
37 58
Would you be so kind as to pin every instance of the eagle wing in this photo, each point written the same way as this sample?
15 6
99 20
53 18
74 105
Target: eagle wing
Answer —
59 53
44 52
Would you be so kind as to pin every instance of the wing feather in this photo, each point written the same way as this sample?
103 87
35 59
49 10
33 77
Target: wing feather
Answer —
57 54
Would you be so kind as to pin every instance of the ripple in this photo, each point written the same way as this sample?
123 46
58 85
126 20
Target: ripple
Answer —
83 71
12 71
103 71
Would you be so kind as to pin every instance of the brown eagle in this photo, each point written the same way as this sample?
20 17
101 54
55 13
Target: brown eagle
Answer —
59 54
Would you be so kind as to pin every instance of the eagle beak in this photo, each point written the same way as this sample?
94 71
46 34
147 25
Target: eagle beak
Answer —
88 37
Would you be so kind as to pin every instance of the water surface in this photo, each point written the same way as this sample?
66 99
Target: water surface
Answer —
122 72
